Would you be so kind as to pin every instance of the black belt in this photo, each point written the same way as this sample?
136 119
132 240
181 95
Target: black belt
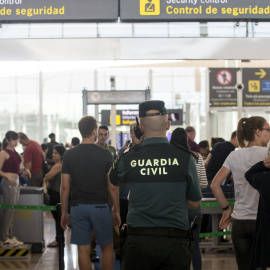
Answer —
170 232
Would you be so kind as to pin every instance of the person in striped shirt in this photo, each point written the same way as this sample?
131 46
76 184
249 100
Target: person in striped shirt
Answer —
180 137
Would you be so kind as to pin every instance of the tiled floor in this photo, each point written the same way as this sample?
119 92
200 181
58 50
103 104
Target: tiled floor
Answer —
48 260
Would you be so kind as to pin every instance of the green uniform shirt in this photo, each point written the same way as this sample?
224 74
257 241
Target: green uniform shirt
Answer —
161 177
111 149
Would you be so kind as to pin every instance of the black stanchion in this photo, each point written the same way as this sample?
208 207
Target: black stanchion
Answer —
61 238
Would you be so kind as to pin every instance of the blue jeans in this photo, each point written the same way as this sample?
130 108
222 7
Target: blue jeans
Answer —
196 255
243 232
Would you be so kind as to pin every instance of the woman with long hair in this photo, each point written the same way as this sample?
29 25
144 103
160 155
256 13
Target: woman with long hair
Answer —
10 162
252 134
53 177
180 138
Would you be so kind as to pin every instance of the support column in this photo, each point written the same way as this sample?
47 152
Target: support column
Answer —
113 115
40 135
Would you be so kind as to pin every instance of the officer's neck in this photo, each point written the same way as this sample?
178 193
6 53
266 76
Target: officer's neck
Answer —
155 135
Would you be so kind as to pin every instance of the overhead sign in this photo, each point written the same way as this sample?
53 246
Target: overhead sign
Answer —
257 87
126 117
123 117
60 10
118 97
222 83
194 10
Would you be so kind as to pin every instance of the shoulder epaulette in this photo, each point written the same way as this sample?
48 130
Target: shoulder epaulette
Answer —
132 148
135 148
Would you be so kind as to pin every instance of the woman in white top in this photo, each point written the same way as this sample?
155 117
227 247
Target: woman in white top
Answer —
252 134
179 137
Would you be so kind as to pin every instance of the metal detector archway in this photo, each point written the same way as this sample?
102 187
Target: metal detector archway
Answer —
114 97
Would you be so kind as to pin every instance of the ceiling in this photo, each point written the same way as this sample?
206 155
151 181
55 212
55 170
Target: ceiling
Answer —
201 49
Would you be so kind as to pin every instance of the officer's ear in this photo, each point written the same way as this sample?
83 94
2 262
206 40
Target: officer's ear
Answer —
168 124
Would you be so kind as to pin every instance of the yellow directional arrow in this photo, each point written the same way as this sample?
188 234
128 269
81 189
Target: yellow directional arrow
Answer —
262 73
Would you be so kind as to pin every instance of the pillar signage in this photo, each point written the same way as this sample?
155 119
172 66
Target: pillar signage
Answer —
222 83
256 87
58 11
194 10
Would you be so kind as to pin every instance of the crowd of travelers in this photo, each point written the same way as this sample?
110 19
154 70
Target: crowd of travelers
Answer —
101 189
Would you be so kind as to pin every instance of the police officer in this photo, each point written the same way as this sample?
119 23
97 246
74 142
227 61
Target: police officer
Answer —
163 184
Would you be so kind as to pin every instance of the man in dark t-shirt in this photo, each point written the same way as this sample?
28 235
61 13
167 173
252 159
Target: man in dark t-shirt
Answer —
88 165
50 146
218 155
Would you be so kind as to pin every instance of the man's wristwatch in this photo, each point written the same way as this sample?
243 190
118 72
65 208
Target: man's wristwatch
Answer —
226 208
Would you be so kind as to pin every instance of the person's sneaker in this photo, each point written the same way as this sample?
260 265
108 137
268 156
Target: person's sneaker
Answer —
53 244
15 240
94 258
9 243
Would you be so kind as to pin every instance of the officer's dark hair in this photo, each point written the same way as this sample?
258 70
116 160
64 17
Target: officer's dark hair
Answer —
75 141
103 127
233 135
204 144
87 125
180 137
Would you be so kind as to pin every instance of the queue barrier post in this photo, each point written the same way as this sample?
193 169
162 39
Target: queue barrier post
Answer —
61 238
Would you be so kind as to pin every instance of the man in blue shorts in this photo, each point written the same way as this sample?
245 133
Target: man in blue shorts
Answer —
88 165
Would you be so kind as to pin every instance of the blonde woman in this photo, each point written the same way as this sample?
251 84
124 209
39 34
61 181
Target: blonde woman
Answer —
252 134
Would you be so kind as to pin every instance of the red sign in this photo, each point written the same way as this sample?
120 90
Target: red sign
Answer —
224 77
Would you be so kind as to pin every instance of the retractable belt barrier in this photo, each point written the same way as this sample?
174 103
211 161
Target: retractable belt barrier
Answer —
28 207
213 234
213 204
53 208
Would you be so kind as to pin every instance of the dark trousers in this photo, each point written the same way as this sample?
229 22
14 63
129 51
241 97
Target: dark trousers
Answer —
243 233
54 200
151 252
123 211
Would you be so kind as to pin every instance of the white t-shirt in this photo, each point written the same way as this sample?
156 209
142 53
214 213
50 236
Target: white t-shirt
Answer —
246 197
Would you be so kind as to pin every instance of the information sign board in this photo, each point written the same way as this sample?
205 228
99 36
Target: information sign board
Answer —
222 83
256 87
194 10
126 117
60 10
118 97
